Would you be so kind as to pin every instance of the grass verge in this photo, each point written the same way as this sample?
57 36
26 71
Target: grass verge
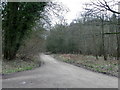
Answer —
109 67
18 65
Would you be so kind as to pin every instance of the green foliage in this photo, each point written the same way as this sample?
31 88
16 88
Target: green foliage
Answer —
18 20
55 40
59 40
93 36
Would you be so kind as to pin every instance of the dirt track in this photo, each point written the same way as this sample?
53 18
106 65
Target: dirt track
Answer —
56 74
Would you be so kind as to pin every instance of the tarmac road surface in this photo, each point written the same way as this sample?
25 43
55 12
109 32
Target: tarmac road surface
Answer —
56 74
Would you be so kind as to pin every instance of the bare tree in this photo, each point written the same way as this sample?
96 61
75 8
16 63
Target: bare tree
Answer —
103 5
99 7
54 10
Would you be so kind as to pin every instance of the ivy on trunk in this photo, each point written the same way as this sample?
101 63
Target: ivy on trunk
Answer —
18 20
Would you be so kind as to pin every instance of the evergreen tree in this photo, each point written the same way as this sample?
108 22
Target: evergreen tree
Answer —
18 20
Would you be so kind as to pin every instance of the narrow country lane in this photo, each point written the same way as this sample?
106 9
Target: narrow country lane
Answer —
56 74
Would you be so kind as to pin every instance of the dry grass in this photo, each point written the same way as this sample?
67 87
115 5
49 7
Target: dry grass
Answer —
18 65
109 67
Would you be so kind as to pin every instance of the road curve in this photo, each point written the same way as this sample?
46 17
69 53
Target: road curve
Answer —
56 74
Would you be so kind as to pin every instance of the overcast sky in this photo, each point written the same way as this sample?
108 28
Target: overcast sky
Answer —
75 8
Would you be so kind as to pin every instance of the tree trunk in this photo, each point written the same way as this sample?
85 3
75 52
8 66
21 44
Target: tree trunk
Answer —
118 40
103 45
10 31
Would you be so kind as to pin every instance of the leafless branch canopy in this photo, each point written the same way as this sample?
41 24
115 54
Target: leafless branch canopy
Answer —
101 6
56 10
